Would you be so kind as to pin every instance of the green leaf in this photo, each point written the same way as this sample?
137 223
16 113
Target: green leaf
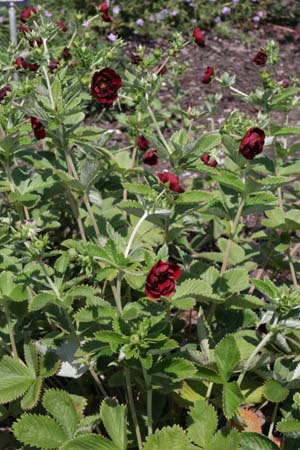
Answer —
32 396
31 358
232 398
207 142
227 356
177 368
49 364
114 417
236 280
287 131
266 286
205 421
290 427
39 431
15 379
198 197
232 181
237 253
255 441
225 439
192 287
274 391
89 442
168 438
61 406
41 300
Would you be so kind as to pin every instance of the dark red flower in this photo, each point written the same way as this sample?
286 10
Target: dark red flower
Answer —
162 70
150 158
207 162
106 17
199 37
142 142
4 92
27 12
38 42
62 26
66 54
105 86
38 128
22 64
24 29
53 65
285 83
172 179
209 73
103 7
260 58
252 143
160 281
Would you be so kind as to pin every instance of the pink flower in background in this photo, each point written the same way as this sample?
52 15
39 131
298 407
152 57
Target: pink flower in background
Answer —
47 13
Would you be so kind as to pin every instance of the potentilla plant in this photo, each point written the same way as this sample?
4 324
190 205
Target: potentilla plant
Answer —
142 309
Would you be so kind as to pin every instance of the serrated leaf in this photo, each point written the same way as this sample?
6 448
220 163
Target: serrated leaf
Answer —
290 427
114 417
236 254
89 442
205 421
207 142
227 356
232 398
32 396
15 379
274 391
39 432
266 286
168 438
225 439
236 280
61 406
49 364
255 441
192 287
232 181
41 300
198 197
31 358
177 368
136 188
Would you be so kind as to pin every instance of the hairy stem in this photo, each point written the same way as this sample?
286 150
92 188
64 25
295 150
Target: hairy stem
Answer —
148 384
132 408
251 358
151 113
273 419
11 333
133 234
231 237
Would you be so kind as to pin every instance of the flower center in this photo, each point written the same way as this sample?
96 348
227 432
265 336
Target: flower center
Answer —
103 85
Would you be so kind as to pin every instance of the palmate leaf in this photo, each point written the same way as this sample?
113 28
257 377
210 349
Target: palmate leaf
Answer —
255 441
232 398
32 396
61 406
114 417
207 142
205 421
39 431
168 438
15 379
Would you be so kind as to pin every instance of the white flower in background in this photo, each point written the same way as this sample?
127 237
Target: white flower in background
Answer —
112 37
116 9
140 22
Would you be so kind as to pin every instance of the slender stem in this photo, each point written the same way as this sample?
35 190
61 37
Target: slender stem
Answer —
148 383
98 381
292 270
11 333
134 231
158 129
209 390
49 87
273 419
85 197
76 213
132 408
260 346
232 235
